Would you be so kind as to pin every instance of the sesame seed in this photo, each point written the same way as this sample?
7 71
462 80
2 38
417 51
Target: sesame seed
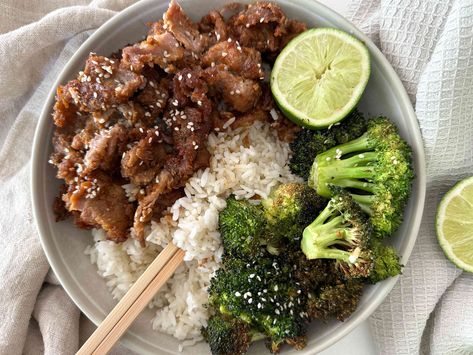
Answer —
196 147
176 128
261 19
250 301
224 54
176 44
95 94
252 275
238 91
199 103
167 70
328 159
229 40
141 129
277 312
147 114
150 139
247 25
101 121
276 288
212 64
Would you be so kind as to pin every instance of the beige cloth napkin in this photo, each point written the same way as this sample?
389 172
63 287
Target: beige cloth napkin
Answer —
429 44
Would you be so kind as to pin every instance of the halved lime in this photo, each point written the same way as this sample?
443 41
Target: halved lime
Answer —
319 77
454 224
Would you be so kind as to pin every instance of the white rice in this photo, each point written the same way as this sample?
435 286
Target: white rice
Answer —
246 162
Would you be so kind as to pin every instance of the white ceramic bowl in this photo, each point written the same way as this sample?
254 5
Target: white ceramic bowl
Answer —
64 244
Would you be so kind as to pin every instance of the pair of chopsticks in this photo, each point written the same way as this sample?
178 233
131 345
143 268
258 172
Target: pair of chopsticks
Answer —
134 301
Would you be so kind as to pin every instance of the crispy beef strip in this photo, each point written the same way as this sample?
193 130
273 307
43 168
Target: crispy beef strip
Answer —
239 94
263 26
214 26
101 202
145 159
183 29
242 61
105 149
103 83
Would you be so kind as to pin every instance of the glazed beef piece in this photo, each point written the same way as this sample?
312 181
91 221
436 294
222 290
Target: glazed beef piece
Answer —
105 149
239 93
242 61
183 29
101 202
103 83
213 25
145 159
264 27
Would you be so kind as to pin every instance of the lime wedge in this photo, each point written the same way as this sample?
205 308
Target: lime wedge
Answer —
319 77
454 224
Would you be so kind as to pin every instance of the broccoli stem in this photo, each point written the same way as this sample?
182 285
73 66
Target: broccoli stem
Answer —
360 144
365 201
329 230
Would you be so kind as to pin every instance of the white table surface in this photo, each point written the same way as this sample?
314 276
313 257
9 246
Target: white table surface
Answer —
359 341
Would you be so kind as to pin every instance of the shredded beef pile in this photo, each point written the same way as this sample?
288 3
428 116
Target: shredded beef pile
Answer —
143 115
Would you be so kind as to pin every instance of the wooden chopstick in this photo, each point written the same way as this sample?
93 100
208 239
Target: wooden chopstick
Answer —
134 301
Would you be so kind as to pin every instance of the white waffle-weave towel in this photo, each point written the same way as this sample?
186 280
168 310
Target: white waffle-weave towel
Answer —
430 45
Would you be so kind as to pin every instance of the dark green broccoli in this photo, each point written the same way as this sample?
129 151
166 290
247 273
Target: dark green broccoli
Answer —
290 208
227 335
376 168
338 301
341 232
308 143
241 226
262 294
386 262
309 274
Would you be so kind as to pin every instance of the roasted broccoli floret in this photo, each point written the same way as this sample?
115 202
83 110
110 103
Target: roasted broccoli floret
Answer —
241 226
227 335
338 301
375 168
262 294
341 232
308 143
386 262
290 208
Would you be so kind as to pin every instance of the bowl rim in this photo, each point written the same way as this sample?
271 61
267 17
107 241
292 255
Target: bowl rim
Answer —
323 11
